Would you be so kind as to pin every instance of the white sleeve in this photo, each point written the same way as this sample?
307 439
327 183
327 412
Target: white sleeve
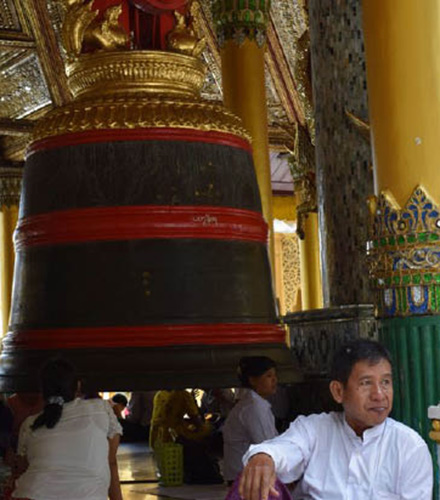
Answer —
416 479
114 427
23 436
290 451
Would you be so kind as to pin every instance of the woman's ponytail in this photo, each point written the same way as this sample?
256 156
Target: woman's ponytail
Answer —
59 384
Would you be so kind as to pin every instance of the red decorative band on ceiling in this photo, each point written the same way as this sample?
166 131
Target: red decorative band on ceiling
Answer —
140 222
145 336
139 134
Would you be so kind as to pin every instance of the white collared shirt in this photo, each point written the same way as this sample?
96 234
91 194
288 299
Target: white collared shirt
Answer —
251 421
332 463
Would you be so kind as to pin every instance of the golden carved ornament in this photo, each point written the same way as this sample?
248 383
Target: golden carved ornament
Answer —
301 164
129 112
183 40
10 185
435 432
135 72
81 27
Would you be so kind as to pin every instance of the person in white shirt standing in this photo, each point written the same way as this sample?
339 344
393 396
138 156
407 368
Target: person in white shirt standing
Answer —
357 454
251 420
71 446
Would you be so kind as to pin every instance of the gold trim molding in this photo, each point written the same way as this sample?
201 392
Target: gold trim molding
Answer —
130 112
148 72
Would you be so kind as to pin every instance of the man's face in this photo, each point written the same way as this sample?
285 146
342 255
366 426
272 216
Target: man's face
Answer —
367 397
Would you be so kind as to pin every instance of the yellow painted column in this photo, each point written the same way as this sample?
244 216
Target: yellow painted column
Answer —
244 94
242 35
403 77
403 72
311 286
10 188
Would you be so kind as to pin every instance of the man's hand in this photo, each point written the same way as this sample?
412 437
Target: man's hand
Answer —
258 478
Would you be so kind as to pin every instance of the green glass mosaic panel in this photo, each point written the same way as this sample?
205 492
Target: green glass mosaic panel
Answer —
427 277
396 280
391 240
417 278
423 237
383 242
411 238
406 280
400 240
404 301
434 237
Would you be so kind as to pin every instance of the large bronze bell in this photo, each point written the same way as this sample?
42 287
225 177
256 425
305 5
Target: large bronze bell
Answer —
141 250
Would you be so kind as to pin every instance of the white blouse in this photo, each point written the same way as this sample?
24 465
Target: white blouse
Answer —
331 462
70 461
251 421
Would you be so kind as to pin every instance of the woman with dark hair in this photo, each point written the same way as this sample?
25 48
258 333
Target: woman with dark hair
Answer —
71 446
251 421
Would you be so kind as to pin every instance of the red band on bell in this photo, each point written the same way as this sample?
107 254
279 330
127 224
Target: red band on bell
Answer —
139 134
139 222
145 336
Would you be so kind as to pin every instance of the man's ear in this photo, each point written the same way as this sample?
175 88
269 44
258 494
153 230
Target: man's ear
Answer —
337 390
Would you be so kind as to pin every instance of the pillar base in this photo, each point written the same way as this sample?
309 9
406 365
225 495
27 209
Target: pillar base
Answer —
315 335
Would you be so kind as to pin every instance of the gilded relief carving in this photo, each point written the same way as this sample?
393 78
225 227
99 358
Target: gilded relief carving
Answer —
22 85
291 271
127 112
404 254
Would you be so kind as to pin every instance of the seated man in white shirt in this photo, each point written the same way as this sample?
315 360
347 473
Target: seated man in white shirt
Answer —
357 454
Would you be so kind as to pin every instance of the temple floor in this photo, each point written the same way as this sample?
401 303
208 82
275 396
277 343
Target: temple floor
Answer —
137 472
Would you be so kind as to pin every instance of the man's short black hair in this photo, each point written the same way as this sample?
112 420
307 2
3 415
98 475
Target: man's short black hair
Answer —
120 399
352 352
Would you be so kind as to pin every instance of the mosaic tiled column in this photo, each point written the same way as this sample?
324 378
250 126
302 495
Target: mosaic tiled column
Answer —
403 80
241 31
10 189
343 160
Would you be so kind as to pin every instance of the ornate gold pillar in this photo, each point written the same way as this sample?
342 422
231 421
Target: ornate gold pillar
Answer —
241 31
10 189
403 75
301 166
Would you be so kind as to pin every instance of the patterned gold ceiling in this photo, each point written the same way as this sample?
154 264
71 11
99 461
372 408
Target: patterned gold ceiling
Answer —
32 76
